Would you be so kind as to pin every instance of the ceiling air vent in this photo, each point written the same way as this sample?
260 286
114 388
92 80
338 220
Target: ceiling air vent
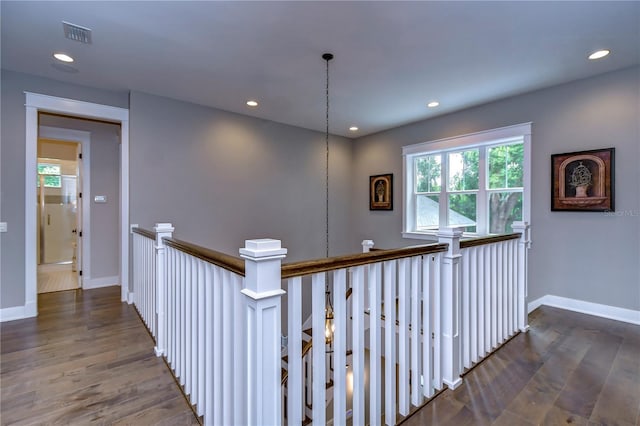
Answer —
76 32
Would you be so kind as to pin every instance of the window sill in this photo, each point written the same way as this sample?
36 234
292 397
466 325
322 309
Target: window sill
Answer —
427 235
433 235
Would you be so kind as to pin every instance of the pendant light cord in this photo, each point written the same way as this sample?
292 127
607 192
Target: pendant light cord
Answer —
327 57
327 167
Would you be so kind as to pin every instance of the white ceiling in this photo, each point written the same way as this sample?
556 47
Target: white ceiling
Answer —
391 58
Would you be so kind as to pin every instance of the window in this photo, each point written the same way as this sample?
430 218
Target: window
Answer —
50 174
479 182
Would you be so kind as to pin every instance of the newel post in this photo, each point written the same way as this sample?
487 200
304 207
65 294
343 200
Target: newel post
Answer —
450 306
263 292
367 245
524 243
163 230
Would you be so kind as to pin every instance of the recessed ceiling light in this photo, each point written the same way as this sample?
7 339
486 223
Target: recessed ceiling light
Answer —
599 54
63 57
433 104
252 103
353 128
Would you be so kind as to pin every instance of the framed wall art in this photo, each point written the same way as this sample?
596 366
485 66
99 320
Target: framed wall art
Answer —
583 181
380 192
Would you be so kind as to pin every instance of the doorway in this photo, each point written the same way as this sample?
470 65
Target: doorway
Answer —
34 104
59 242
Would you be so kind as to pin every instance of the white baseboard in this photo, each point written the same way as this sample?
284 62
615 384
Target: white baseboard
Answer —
597 309
88 284
18 312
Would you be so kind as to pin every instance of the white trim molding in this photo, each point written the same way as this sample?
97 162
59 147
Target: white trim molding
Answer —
589 308
34 103
90 283
18 312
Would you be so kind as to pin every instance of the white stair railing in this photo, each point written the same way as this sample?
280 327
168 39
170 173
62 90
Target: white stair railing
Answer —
420 315
410 281
493 293
144 277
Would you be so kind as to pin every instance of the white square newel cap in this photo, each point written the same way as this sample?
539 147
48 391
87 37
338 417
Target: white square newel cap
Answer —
263 248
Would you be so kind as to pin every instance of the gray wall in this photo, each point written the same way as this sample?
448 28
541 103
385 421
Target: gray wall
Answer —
12 152
587 256
105 180
221 178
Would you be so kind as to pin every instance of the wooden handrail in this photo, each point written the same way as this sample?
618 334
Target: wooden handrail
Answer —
230 263
144 232
307 267
472 242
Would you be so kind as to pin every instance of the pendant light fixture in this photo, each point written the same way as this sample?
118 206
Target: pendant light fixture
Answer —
329 325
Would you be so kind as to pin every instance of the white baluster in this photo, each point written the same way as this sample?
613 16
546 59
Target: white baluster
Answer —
340 347
179 308
375 340
494 295
390 341
404 283
473 303
217 319
416 312
500 292
202 325
358 345
294 351
319 375
427 306
239 350
194 330
486 284
136 264
187 320
465 329
513 287
263 330
148 299
169 302
505 290
450 284
227 347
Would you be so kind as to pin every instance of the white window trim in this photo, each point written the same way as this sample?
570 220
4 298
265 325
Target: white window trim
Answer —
493 136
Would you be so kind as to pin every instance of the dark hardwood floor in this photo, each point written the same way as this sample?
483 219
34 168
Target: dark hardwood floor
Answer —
87 359
569 368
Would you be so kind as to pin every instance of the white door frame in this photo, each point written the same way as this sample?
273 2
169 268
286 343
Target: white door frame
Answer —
43 103
84 139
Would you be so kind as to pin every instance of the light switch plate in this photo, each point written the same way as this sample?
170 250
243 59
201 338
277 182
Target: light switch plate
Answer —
100 199
3 226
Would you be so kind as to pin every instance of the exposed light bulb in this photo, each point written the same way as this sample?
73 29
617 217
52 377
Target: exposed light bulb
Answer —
252 103
433 104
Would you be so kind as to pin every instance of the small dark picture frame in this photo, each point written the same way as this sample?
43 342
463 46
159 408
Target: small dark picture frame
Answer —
583 181
380 192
